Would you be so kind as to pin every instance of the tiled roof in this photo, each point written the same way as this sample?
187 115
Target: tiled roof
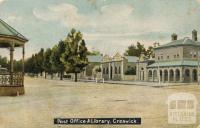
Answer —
181 42
7 30
95 58
131 58
175 63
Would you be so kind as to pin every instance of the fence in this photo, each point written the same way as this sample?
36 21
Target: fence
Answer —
7 79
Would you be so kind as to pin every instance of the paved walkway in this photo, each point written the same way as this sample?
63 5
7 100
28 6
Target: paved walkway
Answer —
139 83
153 84
148 83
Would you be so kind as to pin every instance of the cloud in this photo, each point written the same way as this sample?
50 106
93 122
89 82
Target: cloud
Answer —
115 24
67 14
13 18
113 18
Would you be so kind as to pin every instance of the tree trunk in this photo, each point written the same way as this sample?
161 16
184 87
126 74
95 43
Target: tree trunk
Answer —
75 77
61 75
51 75
45 75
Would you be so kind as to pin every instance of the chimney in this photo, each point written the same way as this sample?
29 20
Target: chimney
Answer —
154 44
174 36
194 35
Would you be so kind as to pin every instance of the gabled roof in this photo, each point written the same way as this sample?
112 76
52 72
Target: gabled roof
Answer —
181 42
106 58
131 58
95 58
7 30
117 57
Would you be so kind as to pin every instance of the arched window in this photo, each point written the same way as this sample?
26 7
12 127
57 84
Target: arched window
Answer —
187 72
150 73
177 73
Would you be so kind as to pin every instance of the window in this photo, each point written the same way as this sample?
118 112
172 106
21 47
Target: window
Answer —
119 70
115 70
167 57
158 58
177 55
150 73
104 71
161 57
195 56
174 56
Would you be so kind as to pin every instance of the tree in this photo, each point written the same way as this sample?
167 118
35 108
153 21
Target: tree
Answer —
138 50
47 63
17 65
75 56
4 62
150 52
94 52
135 50
30 65
39 60
56 54
130 71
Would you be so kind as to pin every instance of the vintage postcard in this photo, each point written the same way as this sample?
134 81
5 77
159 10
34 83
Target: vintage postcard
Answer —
99 63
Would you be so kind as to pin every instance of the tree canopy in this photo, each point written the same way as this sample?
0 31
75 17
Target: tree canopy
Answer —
3 62
75 56
55 58
94 52
138 49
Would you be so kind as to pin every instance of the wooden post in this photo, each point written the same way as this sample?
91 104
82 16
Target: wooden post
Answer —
168 75
109 76
174 75
101 70
23 56
11 63
122 69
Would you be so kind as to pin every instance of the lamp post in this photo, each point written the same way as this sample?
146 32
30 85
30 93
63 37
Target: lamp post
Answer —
198 69
198 53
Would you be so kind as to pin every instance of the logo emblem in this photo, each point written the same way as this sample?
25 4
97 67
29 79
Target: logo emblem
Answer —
182 108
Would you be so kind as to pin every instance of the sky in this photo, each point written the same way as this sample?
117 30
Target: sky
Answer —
109 26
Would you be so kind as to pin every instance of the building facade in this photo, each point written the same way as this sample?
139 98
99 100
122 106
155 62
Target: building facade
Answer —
142 70
114 68
93 68
176 61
